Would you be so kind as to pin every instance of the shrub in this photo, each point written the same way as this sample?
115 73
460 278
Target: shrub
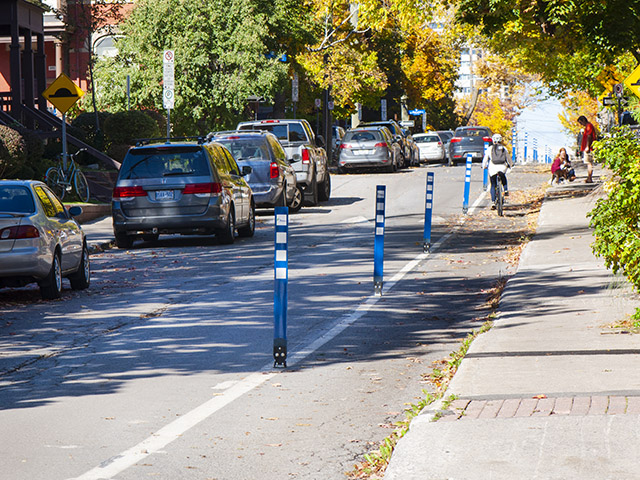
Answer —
616 217
86 123
123 128
13 152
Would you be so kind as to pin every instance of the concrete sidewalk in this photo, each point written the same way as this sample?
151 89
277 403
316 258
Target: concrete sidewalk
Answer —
547 393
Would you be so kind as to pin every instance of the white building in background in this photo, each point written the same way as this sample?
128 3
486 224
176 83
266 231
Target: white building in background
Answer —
468 78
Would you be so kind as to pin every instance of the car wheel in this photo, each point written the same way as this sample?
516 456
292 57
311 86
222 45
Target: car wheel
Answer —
250 228
51 286
324 189
296 201
82 277
226 236
123 240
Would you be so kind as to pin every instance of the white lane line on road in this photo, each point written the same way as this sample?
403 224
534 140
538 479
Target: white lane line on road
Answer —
174 430
167 434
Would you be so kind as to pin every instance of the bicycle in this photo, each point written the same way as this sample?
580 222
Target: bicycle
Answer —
62 181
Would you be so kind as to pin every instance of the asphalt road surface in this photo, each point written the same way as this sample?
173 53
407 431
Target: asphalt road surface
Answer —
163 369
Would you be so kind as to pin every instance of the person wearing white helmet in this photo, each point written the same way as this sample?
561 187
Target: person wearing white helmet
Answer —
498 162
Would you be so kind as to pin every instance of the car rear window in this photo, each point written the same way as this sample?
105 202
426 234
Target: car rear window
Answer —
246 148
286 132
472 132
362 136
164 162
427 139
16 199
390 126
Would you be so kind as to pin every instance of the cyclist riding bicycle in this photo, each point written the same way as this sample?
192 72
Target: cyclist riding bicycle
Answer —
498 161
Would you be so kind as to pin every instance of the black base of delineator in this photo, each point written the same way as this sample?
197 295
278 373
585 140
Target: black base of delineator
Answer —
280 352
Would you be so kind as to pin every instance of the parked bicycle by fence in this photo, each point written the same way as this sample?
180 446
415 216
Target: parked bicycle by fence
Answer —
62 180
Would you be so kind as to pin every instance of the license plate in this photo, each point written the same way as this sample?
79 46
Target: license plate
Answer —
364 152
477 155
164 194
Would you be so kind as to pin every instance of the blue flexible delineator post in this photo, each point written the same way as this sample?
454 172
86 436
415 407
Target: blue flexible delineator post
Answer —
467 184
378 245
428 212
281 275
485 174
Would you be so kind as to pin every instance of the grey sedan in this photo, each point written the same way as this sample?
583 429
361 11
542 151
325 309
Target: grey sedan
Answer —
370 147
39 239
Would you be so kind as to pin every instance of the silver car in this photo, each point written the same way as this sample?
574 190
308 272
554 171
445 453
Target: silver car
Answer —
369 147
272 179
430 146
40 242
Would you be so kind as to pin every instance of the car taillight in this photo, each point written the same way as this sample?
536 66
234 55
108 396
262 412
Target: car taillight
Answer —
127 192
382 145
15 232
305 156
455 140
487 139
196 188
345 145
274 171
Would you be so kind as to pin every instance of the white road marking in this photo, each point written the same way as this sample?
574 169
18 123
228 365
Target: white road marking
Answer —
167 434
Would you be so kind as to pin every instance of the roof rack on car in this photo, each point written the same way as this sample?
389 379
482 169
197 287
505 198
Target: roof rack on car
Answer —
146 141
212 135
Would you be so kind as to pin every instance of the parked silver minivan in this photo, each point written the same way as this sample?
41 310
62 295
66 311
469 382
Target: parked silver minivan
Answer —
183 188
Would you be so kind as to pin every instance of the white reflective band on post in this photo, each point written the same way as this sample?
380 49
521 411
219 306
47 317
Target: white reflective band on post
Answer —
281 220
281 237
429 196
381 194
281 255
380 207
380 218
281 273
379 230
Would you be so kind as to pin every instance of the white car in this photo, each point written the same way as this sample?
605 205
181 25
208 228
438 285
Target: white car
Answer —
430 146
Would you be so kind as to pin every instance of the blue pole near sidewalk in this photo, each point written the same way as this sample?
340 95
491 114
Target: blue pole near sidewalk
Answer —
485 174
428 209
467 184
281 266
378 245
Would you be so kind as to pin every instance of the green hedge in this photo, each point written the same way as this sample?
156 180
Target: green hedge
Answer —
123 128
21 154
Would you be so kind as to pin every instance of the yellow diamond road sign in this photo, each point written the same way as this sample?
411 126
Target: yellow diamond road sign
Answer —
633 82
63 93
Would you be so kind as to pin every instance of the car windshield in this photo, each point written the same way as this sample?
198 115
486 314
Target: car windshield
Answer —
427 139
165 161
362 136
16 199
246 148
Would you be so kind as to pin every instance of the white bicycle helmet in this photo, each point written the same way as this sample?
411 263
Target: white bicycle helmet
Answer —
497 138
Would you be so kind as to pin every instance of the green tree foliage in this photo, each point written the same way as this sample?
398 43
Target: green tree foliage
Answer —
616 218
225 50
568 43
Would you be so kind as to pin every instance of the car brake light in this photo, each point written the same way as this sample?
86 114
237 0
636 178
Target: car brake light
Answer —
274 171
345 145
455 140
270 121
197 188
382 145
126 192
305 156
16 232
487 139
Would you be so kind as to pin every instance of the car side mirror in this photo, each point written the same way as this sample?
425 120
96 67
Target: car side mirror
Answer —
75 211
246 170
320 141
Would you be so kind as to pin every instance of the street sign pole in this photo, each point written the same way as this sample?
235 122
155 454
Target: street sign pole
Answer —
168 85
294 93
64 141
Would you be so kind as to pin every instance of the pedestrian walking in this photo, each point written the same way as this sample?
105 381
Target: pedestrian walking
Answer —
586 147
498 162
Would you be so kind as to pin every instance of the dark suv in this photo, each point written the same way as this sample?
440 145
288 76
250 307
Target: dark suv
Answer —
181 188
468 140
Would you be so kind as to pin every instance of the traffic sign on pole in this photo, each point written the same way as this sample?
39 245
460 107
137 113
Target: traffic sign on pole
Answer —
633 82
63 93
168 79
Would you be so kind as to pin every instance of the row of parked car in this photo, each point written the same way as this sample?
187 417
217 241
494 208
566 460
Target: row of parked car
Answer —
453 147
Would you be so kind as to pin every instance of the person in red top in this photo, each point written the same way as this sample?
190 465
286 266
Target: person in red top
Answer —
588 136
